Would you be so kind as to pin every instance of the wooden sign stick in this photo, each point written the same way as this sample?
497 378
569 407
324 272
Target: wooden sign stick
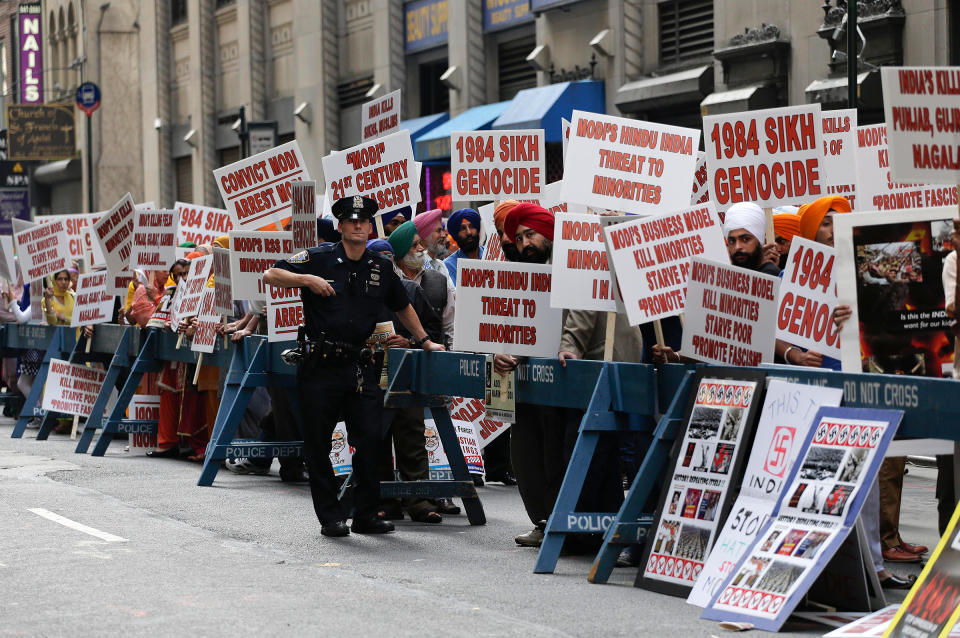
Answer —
771 234
180 339
196 375
658 331
73 430
226 339
378 220
609 336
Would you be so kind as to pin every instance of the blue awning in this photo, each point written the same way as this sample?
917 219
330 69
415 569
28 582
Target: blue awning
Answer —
436 144
420 125
544 106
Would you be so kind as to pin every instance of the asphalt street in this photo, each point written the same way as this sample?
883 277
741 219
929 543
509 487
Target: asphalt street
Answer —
245 557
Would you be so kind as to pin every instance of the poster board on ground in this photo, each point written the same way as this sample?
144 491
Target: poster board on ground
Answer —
154 234
807 297
497 165
705 467
889 272
788 410
201 224
817 510
252 253
71 388
504 308
93 303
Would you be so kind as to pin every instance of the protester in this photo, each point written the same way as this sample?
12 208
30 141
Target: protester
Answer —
393 219
785 226
500 213
58 300
430 228
464 225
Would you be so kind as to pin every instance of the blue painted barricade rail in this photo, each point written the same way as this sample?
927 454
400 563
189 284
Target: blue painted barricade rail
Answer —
56 341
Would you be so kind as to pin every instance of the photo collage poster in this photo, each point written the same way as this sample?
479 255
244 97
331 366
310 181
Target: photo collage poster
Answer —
815 513
707 467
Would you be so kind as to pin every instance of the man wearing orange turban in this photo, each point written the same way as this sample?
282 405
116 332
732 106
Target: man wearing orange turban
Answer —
816 218
499 218
785 226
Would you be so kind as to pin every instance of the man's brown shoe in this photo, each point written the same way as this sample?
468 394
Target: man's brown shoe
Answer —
899 555
914 549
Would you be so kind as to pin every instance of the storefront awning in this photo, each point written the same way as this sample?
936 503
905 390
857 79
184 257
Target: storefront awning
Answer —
746 99
59 171
421 125
665 91
435 145
544 106
834 90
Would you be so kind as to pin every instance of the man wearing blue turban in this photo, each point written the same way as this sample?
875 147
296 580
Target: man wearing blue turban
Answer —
464 226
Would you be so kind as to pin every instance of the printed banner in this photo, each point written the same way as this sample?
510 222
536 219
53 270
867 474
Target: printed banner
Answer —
114 232
769 157
196 283
808 295
651 258
284 313
788 411
71 388
341 454
836 467
93 303
701 181
504 307
118 284
205 338
381 116
303 215
79 231
707 460
144 407
500 394
382 170
172 308
256 190
839 161
223 289
730 313
580 265
921 107
628 165
497 165
8 265
466 415
253 253
42 250
154 234
201 224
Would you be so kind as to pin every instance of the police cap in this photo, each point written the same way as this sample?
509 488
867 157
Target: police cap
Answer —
355 207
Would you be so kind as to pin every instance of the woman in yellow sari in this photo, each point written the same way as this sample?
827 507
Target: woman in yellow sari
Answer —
58 300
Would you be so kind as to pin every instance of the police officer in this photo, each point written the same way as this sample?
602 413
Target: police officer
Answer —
344 288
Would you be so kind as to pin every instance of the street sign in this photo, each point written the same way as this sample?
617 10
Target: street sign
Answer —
88 97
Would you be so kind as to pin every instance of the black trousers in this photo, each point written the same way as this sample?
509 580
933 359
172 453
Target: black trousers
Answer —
326 393
537 442
283 425
407 432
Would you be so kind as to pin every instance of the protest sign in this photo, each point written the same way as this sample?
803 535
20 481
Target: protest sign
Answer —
93 303
284 313
79 228
828 484
196 283
256 190
201 224
303 215
888 271
223 299
114 232
579 265
500 394
205 338
504 307
341 454
839 158
252 253
707 460
788 410
729 314
497 164
466 415
701 181
381 116
488 429
154 234
144 407
377 339
564 135
382 170
551 198
876 188
36 311
42 250
651 258
872 625
118 284
921 107
769 157
808 295
628 165
173 308
8 266
71 388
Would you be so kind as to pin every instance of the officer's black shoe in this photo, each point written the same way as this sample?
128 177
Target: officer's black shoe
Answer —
334 528
371 526
506 478
296 475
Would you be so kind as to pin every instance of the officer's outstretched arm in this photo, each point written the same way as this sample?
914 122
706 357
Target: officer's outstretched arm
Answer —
411 322
286 279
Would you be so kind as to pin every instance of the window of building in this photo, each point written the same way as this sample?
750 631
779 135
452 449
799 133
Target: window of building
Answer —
354 93
228 156
183 167
686 30
224 3
514 72
286 137
178 11
434 95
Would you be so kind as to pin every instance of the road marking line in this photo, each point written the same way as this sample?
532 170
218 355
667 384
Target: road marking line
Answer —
66 522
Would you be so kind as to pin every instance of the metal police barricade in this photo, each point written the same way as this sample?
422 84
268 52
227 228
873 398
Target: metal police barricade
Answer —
159 347
57 342
120 345
253 363
930 411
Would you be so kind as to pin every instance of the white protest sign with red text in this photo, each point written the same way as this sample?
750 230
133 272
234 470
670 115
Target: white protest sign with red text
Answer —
93 303
701 181
71 388
808 294
154 234
118 284
201 224
497 165
380 117
173 307
921 107
769 157
552 200
205 338
196 282
42 250
114 232
633 166
580 268
382 170
284 313
252 253
839 162
504 307
729 314
256 190
144 407
651 258
303 215
223 299
79 230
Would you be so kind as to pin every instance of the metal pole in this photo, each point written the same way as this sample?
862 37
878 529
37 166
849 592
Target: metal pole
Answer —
89 165
244 134
852 88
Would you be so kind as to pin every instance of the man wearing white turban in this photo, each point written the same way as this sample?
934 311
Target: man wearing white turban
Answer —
744 226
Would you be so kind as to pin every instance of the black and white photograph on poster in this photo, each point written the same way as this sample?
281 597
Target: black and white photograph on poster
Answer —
813 516
706 460
852 466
